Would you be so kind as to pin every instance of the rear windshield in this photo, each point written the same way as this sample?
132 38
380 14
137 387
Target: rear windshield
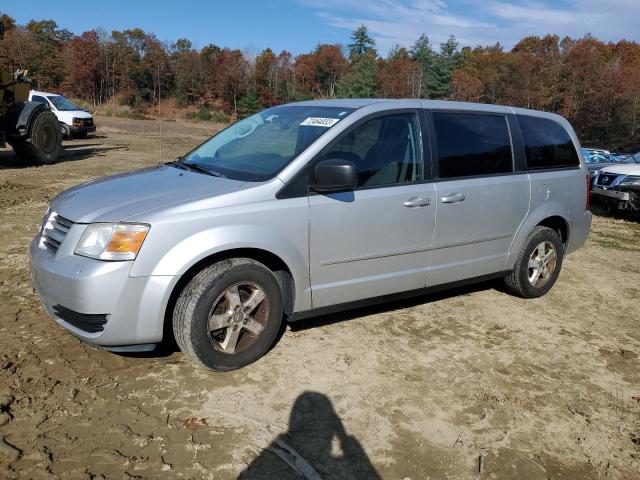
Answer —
258 147
547 144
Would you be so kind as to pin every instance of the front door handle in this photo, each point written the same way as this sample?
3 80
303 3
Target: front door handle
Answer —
414 202
453 198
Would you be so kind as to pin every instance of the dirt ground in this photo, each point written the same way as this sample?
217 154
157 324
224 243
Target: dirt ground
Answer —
441 386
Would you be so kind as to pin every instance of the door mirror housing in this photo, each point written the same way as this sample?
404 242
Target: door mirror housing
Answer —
334 175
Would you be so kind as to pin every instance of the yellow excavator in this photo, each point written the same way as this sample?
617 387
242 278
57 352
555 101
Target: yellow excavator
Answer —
29 127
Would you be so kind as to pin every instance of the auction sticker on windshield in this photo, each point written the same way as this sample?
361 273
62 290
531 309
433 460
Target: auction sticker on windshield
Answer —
320 122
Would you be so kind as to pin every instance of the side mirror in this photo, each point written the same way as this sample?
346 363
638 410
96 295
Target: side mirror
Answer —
334 175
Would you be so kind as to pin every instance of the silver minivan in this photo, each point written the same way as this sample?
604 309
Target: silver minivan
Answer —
306 208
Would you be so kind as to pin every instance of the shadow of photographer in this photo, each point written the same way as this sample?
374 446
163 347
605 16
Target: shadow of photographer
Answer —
315 446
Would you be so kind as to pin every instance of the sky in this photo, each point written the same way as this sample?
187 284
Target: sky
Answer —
299 25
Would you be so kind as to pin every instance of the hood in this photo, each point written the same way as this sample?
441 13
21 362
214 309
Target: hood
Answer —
78 113
626 169
116 198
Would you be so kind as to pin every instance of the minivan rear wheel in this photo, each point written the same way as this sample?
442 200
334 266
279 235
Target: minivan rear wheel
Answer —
229 314
538 264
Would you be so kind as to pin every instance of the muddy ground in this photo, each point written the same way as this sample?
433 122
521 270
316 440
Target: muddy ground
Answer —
417 389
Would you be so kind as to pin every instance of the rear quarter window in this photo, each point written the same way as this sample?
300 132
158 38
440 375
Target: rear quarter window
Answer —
547 144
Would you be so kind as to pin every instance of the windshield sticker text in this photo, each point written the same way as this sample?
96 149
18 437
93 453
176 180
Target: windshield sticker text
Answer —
320 122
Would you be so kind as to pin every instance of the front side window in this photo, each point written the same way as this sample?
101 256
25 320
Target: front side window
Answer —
471 144
39 99
257 148
547 144
62 103
386 150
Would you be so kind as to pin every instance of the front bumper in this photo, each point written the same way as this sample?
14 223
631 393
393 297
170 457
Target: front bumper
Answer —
75 129
615 194
622 198
134 306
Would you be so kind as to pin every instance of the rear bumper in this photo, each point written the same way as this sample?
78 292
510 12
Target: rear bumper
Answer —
99 302
579 231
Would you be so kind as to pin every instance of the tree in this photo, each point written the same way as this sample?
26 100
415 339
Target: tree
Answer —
248 104
362 42
362 79
47 57
82 67
186 64
423 53
438 78
265 77
399 76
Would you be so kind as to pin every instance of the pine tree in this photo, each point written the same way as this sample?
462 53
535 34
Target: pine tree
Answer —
423 53
438 78
248 104
362 42
362 79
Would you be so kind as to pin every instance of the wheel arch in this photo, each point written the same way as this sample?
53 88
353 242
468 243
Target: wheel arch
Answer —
21 115
269 259
558 224
554 218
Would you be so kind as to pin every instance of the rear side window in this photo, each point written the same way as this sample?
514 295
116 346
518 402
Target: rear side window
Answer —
547 144
471 144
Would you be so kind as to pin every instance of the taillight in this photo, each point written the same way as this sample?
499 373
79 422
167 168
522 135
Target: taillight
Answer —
586 202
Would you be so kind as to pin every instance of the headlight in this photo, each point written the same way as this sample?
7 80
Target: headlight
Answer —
112 241
630 181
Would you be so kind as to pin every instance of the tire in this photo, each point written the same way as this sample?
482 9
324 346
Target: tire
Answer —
519 281
42 142
209 297
80 135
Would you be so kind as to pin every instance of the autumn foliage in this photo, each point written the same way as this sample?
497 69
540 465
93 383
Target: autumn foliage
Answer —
595 84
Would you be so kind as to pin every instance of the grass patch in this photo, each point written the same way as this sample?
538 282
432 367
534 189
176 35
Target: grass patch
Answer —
618 236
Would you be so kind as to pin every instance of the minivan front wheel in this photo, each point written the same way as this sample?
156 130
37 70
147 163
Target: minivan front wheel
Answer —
538 264
229 314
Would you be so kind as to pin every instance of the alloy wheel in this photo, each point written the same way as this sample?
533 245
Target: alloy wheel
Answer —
237 317
542 264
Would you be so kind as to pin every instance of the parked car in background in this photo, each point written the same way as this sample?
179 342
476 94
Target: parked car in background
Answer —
308 208
618 187
595 159
74 122
623 157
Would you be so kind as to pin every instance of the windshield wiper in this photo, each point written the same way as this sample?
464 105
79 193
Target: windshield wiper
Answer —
194 167
178 164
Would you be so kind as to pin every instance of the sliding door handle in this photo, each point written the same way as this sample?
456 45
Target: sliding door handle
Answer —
414 202
453 198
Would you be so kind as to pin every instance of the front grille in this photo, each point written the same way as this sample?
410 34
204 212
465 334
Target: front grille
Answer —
606 179
55 230
90 323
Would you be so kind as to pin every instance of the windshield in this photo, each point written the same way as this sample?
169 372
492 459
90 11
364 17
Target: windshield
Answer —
62 103
591 156
258 147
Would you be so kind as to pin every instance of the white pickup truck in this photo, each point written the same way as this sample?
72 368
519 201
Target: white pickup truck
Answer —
618 186
74 122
